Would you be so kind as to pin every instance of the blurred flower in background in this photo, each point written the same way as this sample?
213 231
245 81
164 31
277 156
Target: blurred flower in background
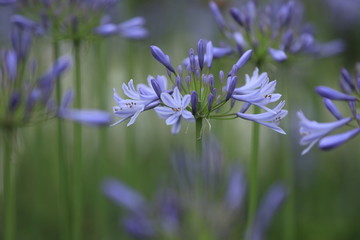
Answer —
273 30
75 20
313 132
26 97
198 94
202 198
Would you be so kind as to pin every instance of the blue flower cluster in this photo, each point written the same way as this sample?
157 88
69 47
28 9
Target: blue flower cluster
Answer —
196 93
274 29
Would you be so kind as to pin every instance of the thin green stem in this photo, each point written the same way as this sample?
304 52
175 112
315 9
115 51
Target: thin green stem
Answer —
9 187
78 171
198 140
62 166
289 176
100 206
254 171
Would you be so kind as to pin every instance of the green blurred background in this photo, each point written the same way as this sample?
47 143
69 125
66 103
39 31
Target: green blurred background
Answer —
327 193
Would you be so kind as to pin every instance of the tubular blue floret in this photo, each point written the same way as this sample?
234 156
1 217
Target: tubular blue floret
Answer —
194 102
106 29
345 76
210 101
123 195
333 141
232 82
201 53
218 16
159 55
235 13
333 94
10 63
332 108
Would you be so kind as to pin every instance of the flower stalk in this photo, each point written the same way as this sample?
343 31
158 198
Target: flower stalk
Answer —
9 186
198 140
253 181
77 194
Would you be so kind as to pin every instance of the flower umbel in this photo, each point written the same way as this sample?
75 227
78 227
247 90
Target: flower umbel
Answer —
197 93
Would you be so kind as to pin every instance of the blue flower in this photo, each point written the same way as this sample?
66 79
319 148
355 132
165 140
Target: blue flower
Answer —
141 99
258 90
193 77
312 131
175 109
269 119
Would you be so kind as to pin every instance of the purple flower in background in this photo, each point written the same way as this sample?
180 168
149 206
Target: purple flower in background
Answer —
270 204
313 132
26 97
272 30
217 205
197 93
89 117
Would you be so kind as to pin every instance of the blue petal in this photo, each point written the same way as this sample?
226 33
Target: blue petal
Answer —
336 140
176 127
172 119
168 100
330 93
277 55
188 116
88 117
123 195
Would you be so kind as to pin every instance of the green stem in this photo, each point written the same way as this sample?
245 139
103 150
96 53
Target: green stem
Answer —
254 171
9 187
100 206
77 194
289 207
62 166
198 140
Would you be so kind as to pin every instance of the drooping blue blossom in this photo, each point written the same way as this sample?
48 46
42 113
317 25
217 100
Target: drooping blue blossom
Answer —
209 190
272 30
198 94
313 132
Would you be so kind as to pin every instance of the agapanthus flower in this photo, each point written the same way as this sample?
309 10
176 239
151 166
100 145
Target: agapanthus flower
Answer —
208 190
198 94
26 97
75 20
273 30
313 132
